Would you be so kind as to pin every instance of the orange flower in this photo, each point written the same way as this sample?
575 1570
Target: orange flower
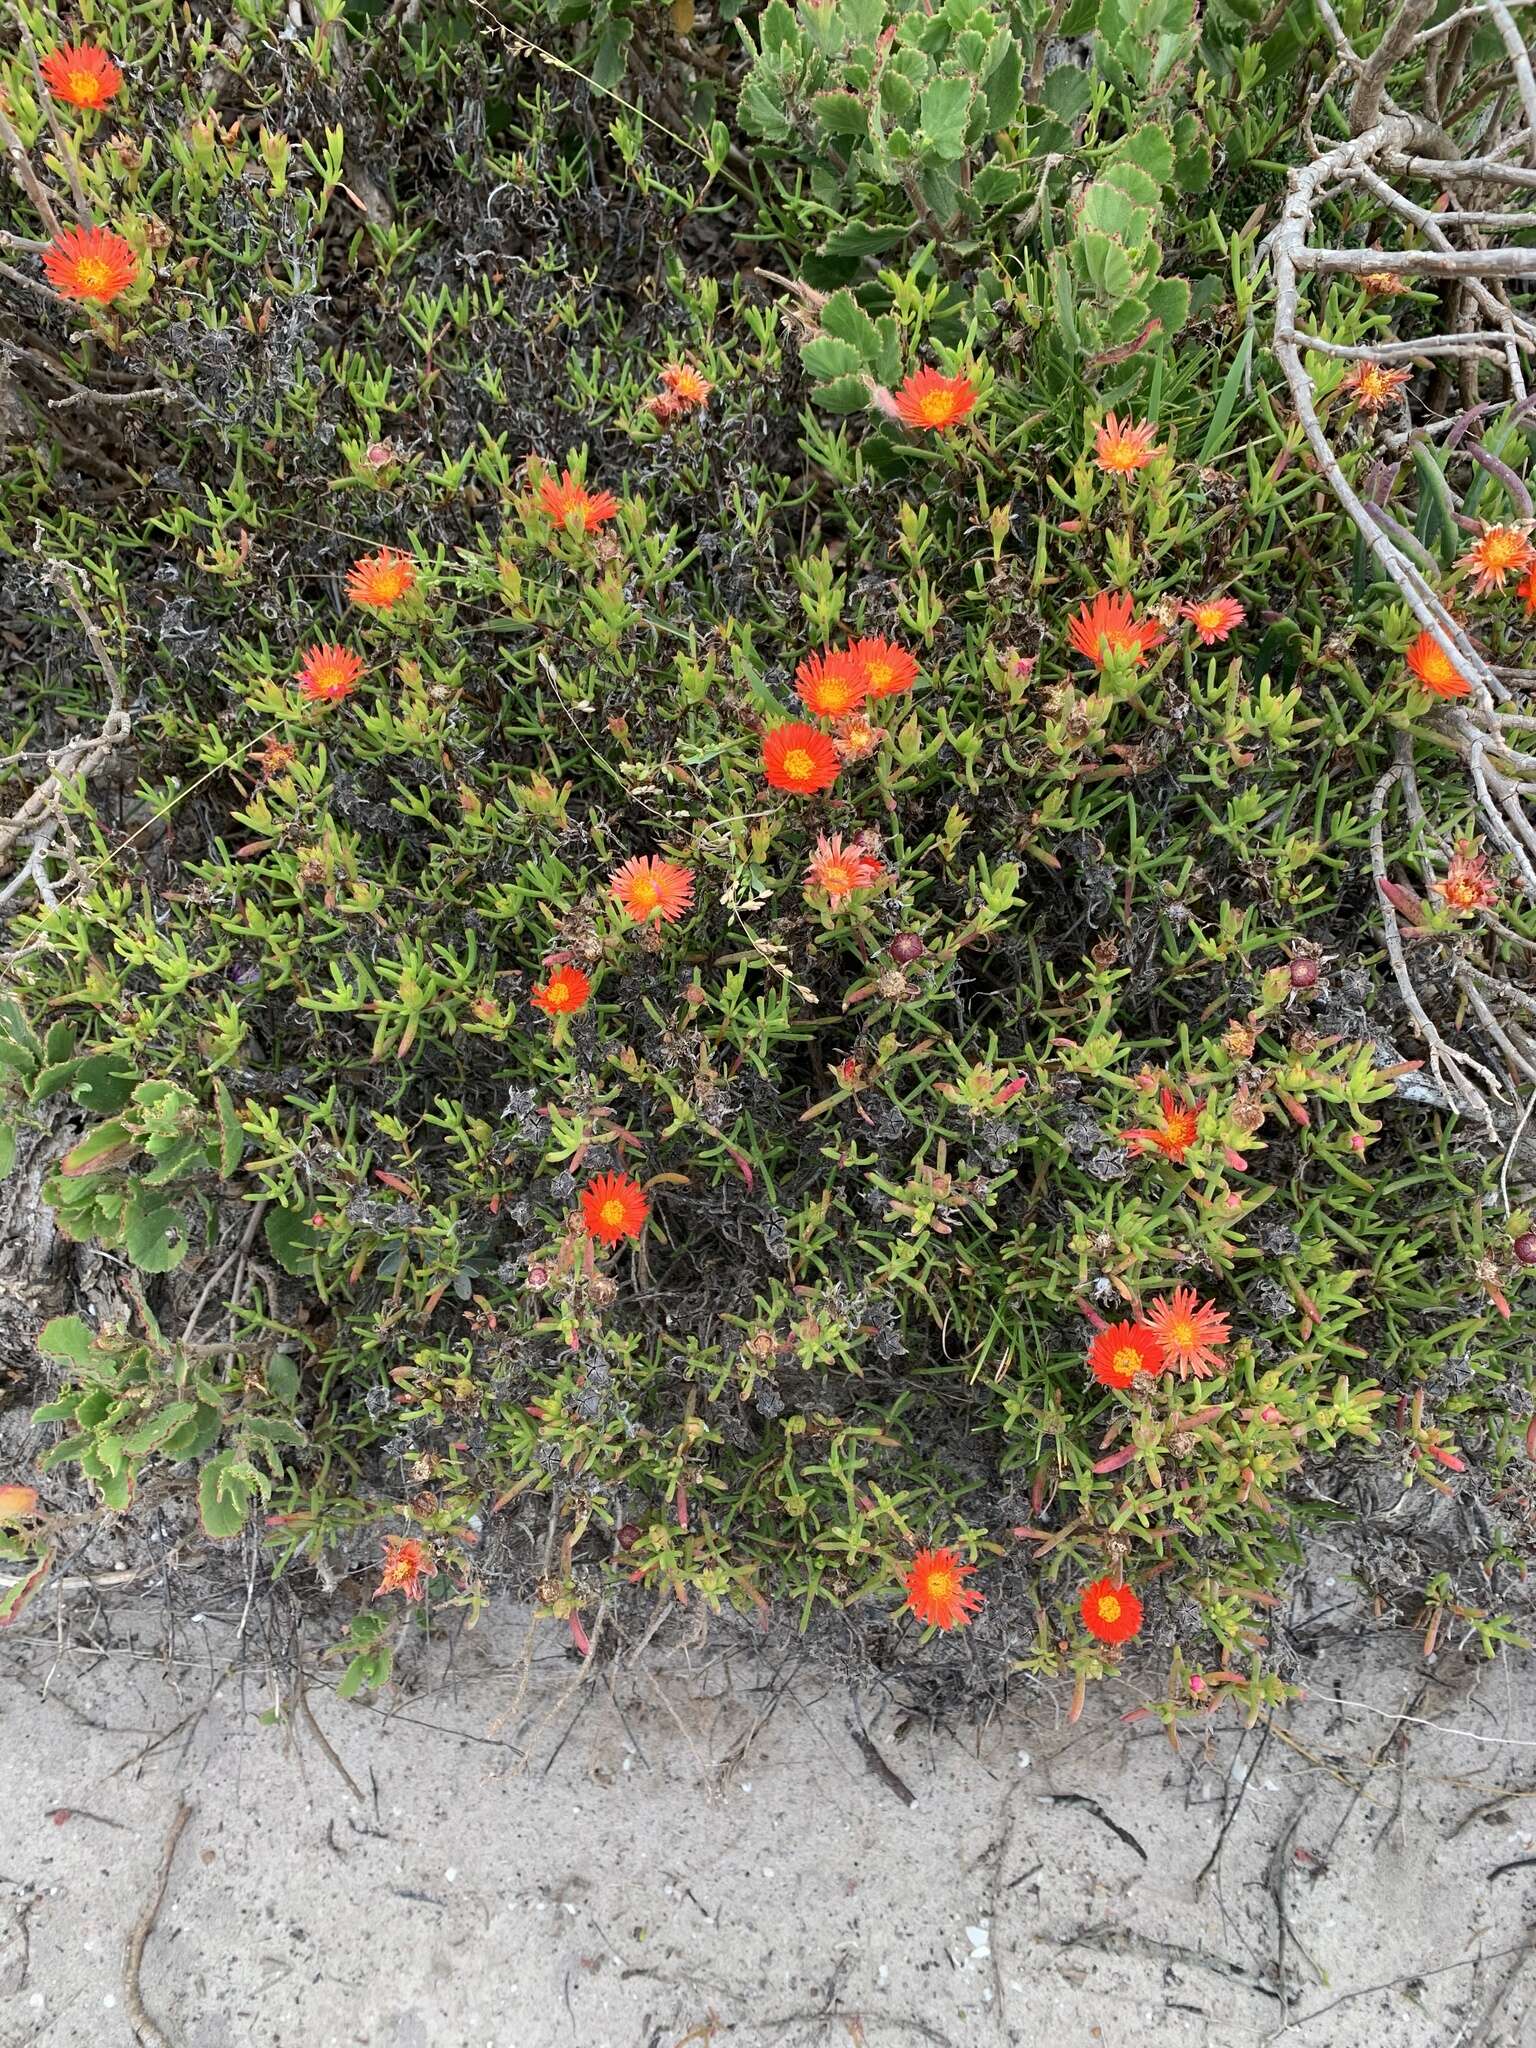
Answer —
17 1503
1122 1350
613 1207
857 737
327 673
1191 1332
408 1566
82 75
887 669
930 400
685 384
797 757
830 684
90 263
840 869
1174 1135
1435 668
936 1590
1372 386
378 582
1106 627
568 500
647 887
1469 883
1213 618
1497 553
1527 590
566 990
1110 1611
1120 449
1384 284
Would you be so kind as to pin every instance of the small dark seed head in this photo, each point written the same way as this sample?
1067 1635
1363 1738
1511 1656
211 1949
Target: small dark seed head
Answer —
1525 1247
1305 971
629 1535
907 947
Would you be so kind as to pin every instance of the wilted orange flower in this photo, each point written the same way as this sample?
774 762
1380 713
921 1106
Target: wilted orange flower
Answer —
1372 386
1120 1351
90 263
1498 553
887 669
830 684
566 990
408 1567
930 400
82 75
1469 883
1110 1611
936 1590
1435 668
17 1503
686 384
327 673
378 582
648 887
797 757
1213 618
1122 448
1191 1332
570 499
857 737
840 869
1384 284
613 1207
1106 627
1174 1135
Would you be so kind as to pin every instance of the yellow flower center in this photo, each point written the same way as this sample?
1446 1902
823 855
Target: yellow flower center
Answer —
798 765
1128 1359
1208 617
937 407
941 1585
1502 550
85 86
645 893
389 581
92 274
558 991
879 674
1109 1607
1182 1334
612 1212
836 876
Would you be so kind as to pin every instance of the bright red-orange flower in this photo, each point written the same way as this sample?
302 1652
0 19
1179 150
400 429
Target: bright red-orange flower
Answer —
613 1207
840 869
1122 448
830 684
1110 1611
798 758
327 673
1191 1332
1469 882
1213 618
1527 590
1106 627
647 887
936 1590
1435 668
887 669
378 582
1498 553
565 991
688 386
932 401
1372 386
82 75
1120 1351
408 1567
90 263
570 500
1174 1135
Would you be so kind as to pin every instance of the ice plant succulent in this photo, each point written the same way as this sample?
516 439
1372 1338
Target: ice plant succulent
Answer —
936 1590
1110 1611
839 870
1498 553
1372 386
1213 618
1468 883
564 992
1122 1350
798 758
82 75
1174 1135
829 684
1107 625
378 582
933 402
887 669
327 672
93 264
614 1207
1191 1333
687 386
1435 669
571 505
1120 447
408 1567
647 887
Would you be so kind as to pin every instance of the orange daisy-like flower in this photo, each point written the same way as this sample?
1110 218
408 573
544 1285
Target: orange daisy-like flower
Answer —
378 582
798 758
1191 1332
1372 386
408 1567
614 1207
686 385
82 75
647 887
1110 1611
566 990
90 263
1174 1135
887 669
1527 590
840 869
327 673
1498 553
1121 1351
1468 883
857 737
1106 627
570 500
1122 448
936 1590
830 684
1435 668
930 400
1213 618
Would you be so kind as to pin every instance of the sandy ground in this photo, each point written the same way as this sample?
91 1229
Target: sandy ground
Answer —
697 1852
